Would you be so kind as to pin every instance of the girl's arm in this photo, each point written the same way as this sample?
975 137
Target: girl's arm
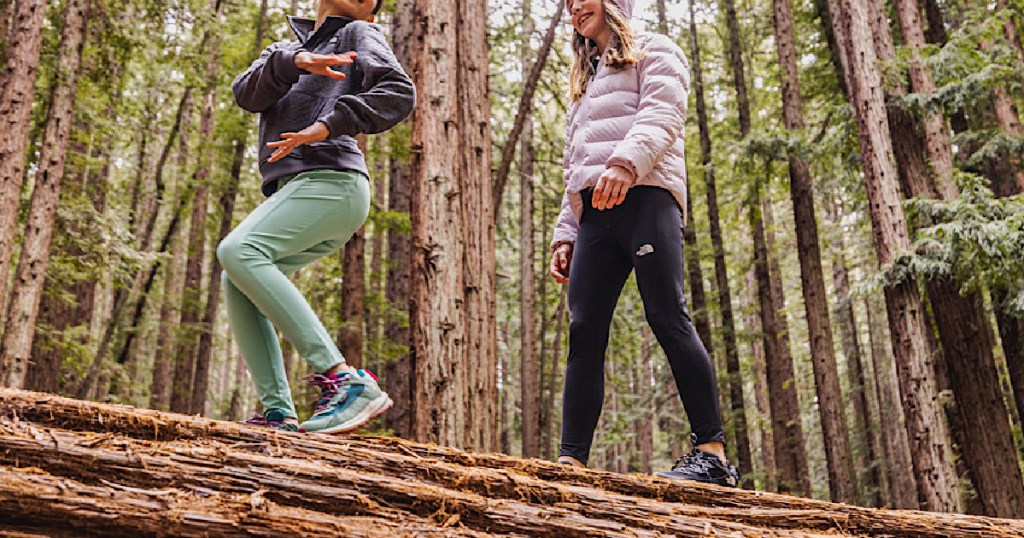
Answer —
660 118
388 94
268 78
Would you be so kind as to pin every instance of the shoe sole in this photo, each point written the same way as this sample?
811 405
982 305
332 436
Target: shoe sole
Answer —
373 410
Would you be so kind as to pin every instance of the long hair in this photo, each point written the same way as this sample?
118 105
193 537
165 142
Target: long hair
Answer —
620 53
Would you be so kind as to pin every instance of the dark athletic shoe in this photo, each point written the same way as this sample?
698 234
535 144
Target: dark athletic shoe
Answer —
273 419
703 467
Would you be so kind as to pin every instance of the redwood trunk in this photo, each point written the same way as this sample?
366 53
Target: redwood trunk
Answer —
530 370
399 373
842 480
453 303
963 324
213 287
353 298
17 92
926 427
27 290
740 446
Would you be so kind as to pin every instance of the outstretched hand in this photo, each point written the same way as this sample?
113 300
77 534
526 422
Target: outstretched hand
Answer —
320 64
314 133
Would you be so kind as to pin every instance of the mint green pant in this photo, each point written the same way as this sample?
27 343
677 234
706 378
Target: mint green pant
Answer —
312 215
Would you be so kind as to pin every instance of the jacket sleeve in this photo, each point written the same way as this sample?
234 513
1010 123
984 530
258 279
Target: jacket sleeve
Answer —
267 79
387 95
661 116
566 227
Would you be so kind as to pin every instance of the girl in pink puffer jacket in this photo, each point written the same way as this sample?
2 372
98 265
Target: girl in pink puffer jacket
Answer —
623 209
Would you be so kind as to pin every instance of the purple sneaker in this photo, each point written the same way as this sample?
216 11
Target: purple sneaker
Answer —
273 419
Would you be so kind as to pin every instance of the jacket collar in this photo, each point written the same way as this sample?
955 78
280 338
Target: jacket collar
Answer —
303 28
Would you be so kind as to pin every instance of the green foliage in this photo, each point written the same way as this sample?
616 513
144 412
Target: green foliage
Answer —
977 238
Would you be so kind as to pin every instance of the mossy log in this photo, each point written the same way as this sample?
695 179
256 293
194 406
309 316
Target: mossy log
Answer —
111 470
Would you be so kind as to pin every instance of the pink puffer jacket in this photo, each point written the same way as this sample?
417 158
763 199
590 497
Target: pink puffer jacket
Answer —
633 117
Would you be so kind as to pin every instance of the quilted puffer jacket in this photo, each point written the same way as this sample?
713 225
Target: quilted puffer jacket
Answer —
632 117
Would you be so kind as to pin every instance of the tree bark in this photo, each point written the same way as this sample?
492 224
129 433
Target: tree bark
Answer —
190 376
738 417
963 324
761 396
875 487
399 373
213 288
452 315
932 460
529 368
353 298
27 290
556 358
18 93
842 480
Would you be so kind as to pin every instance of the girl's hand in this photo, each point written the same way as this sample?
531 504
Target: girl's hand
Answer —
560 261
612 187
320 64
314 133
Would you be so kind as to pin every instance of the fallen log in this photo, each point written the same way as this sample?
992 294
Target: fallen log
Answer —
392 479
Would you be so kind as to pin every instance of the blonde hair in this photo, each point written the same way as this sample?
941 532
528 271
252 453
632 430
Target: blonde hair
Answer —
620 53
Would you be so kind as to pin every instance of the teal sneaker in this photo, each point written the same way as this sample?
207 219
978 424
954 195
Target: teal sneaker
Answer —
273 419
347 402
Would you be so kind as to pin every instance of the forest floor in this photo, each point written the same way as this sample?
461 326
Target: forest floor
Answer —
75 468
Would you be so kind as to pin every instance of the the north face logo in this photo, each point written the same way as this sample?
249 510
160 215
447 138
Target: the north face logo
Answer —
645 250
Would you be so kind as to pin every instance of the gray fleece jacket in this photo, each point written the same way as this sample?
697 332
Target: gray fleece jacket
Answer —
375 96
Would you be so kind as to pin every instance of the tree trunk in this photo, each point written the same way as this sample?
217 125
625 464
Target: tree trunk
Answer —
141 464
964 328
530 385
761 396
18 93
373 311
353 297
452 316
27 290
556 358
190 376
644 387
874 487
738 418
842 480
174 283
932 460
213 287
895 445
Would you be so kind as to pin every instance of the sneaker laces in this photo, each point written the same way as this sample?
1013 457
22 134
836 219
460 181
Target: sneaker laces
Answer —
257 419
330 386
694 459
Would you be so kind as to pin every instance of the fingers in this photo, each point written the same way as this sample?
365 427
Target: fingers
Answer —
330 73
600 193
559 267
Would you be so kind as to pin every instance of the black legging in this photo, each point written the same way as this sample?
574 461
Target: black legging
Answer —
645 233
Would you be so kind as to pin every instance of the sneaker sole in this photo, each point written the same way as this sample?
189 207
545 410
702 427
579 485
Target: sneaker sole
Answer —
372 410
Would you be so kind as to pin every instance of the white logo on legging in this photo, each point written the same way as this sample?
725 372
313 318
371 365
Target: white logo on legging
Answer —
645 250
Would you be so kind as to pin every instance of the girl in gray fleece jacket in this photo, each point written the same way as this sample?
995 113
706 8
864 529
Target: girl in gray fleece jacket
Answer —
339 79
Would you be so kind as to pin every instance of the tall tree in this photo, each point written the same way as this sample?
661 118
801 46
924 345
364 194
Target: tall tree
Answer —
842 482
18 90
399 372
738 417
35 249
452 290
863 431
964 329
353 291
926 427
530 371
